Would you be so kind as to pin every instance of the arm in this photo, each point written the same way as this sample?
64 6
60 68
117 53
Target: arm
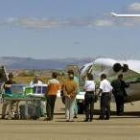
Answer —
74 92
126 85
99 92
64 91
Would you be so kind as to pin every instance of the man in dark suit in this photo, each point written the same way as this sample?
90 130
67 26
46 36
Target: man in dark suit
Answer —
119 92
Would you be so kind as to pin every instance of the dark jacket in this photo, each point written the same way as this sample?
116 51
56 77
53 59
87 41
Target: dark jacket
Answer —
119 87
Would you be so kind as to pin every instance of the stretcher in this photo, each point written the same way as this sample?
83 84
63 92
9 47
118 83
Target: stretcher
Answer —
24 97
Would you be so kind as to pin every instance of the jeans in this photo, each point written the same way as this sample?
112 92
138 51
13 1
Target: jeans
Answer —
69 111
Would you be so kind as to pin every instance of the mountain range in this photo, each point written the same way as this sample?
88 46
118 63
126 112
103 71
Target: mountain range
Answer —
31 63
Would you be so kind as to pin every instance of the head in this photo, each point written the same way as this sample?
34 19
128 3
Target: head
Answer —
120 76
36 78
54 75
103 76
10 75
89 76
71 74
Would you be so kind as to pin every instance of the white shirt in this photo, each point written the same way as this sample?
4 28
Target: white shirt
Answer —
105 86
89 85
39 83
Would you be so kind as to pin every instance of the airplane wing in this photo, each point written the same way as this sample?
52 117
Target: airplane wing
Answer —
125 15
134 65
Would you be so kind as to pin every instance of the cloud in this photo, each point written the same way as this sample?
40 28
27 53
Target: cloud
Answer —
34 23
44 23
104 23
134 7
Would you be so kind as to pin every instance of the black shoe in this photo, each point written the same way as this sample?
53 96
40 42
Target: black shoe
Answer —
91 120
47 119
75 117
107 117
101 118
120 114
2 117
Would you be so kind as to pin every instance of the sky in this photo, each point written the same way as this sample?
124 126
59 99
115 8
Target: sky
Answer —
44 29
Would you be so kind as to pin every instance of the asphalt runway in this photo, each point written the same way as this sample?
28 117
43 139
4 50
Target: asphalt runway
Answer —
125 127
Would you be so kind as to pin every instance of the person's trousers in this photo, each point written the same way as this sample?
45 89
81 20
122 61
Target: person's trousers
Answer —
69 111
119 104
10 109
89 105
50 106
75 108
105 106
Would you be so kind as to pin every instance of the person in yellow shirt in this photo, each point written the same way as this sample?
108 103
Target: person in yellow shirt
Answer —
52 90
69 89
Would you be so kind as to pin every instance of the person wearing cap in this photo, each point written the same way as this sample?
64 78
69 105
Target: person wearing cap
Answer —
7 86
69 89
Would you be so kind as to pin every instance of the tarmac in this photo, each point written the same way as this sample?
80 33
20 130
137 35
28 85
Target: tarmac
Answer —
126 127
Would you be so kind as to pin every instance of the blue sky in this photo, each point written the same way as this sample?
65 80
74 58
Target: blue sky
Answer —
45 29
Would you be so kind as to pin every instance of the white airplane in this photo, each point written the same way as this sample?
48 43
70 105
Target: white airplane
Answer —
125 15
112 67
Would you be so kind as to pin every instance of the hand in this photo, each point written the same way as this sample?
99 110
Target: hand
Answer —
72 96
68 96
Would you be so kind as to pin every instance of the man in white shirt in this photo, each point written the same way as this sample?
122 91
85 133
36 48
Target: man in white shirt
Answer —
40 104
89 88
105 90
35 81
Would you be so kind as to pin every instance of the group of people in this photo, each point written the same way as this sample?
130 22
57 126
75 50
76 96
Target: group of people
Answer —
70 88
116 87
8 105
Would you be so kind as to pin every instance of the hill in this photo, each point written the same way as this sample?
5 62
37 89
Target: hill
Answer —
30 63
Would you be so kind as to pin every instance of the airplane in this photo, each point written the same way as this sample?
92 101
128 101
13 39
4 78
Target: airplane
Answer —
129 68
125 15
